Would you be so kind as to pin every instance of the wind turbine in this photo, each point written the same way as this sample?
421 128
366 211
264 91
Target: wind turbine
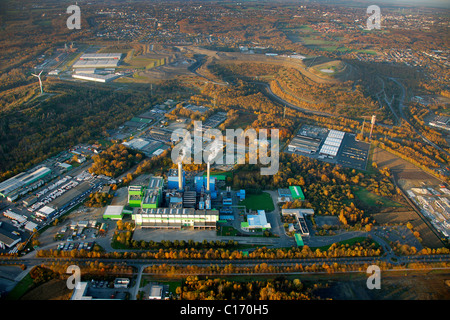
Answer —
40 81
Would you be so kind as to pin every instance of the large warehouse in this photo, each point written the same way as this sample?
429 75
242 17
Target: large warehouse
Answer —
96 77
304 144
22 180
175 218
101 56
332 143
98 60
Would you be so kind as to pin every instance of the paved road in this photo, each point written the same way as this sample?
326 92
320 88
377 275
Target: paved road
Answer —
223 262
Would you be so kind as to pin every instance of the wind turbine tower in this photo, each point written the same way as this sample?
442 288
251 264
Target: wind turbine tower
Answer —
40 81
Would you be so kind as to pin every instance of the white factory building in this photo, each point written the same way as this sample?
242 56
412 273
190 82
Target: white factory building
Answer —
175 218
332 143
86 68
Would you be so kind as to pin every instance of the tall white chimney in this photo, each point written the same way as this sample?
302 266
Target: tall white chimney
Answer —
371 127
207 177
180 176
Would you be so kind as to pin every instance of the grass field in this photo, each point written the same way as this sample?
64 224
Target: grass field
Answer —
350 242
21 288
244 120
373 200
261 201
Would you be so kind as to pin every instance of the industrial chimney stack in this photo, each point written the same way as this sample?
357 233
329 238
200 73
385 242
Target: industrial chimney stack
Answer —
207 177
371 127
180 176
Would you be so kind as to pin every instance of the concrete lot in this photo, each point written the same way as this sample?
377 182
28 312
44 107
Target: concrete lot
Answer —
173 234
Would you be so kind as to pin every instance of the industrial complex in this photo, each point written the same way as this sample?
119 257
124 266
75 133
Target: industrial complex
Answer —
333 146
98 67
171 205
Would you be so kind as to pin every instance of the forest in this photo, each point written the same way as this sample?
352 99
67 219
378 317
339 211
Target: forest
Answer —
327 187
39 129
115 160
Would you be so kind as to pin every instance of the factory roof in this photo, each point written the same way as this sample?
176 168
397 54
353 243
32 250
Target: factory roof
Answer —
137 143
178 211
95 77
8 238
100 63
258 220
297 192
95 56
22 179
46 210
155 182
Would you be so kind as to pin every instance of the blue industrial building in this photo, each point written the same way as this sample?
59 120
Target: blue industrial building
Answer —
200 186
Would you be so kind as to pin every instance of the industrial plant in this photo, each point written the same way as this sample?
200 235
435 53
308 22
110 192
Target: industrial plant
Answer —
172 205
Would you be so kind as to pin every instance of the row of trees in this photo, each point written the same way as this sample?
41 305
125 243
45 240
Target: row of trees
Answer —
218 250
194 288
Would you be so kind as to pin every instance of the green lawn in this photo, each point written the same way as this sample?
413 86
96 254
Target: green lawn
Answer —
21 288
350 242
373 200
261 201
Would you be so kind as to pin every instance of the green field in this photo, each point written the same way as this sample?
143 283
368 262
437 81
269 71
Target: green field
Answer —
350 242
373 200
261 201
21 288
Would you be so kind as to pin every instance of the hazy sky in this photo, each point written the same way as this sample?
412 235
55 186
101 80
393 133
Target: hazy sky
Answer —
425 3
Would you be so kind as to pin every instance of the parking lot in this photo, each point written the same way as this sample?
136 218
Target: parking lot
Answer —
353 153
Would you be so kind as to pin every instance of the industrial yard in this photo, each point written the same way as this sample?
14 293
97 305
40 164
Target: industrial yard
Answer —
331 146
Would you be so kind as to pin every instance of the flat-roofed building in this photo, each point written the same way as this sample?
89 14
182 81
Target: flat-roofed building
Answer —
137 143
296 192
95 77
158 292
22 180
332 143
175 218
46 212
304 144
99 63
153 195
113 212
300 216
100 56
8 239
121 283
256 221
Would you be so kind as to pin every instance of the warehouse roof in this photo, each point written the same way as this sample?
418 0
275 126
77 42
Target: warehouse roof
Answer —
100 63
94 56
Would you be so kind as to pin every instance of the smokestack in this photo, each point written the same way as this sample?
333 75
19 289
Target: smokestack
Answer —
207 177
180 176
371 127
